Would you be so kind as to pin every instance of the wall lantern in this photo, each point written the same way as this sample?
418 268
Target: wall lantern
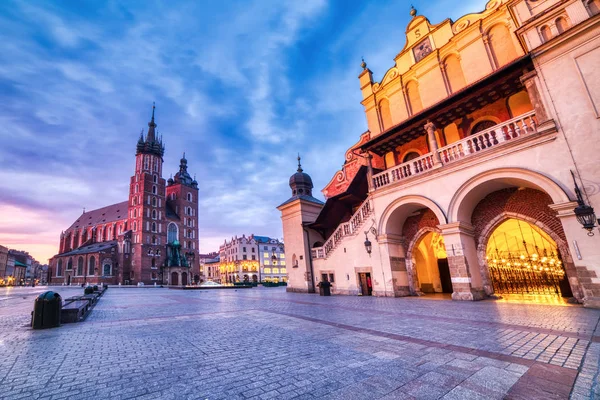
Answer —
368 245
273 257
584 213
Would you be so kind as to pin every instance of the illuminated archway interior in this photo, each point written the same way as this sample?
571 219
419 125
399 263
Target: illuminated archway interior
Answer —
432 265
524 259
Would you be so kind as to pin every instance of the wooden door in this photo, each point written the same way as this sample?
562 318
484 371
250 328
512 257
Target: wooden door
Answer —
445 278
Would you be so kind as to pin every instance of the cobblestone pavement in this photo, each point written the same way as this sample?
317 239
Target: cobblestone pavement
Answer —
262 343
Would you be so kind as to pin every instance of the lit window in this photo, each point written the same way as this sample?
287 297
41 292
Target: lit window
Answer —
266 255
283 270
267 262
275 270
267 270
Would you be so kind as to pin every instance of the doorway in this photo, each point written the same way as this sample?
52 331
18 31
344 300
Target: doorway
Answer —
366 285
523 259
174 278
445 278
184 280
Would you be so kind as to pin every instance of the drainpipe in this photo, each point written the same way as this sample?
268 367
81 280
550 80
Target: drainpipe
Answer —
310 263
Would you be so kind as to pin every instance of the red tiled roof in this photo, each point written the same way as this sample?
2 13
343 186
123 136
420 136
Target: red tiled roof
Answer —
114 212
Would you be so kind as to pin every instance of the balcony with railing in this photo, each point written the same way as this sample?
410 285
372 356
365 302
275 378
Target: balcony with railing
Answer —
471 146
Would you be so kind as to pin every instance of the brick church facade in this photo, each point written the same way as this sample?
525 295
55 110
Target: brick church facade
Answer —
152 238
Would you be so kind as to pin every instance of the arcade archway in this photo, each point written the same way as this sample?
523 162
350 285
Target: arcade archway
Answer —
524 259
430 263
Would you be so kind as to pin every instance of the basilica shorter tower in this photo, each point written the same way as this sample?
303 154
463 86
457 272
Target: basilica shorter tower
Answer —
151 238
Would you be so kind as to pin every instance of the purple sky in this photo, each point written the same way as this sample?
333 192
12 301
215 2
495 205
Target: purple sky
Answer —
241 86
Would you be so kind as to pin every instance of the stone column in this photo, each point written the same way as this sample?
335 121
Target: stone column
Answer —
369 159
433 144
581 259
465 271
393 250
532 84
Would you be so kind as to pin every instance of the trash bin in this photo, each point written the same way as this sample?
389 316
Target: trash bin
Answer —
325 288
46 311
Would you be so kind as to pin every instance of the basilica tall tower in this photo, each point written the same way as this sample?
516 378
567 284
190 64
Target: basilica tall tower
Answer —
147 199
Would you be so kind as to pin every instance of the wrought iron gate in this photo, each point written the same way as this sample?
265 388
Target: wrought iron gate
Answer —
515 280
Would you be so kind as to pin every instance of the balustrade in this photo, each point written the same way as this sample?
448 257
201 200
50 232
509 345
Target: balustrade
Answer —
495 136
404 170
344 230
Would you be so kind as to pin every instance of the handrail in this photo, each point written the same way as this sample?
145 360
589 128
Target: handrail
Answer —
349 228
404 170
488 138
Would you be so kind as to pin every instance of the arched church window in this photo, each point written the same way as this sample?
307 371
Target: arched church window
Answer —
59 268
481 126
155 178
146 162
153 239
154 227
172 233
153 189
134 226
107 269
153 214
189 197
135 213
155 164
80 266
154 202
92 265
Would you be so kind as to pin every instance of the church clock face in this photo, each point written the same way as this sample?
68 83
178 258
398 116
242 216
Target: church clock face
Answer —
422 49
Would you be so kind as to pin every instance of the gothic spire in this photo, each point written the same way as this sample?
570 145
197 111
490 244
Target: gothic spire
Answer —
151 127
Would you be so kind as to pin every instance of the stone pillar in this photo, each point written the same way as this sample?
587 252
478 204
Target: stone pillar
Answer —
369 159
393 249
581 259
465 271
531 82
433 144
492 60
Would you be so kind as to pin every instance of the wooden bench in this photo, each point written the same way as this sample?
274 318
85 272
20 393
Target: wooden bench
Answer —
74 311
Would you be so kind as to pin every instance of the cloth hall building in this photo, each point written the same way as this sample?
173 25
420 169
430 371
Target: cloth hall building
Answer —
478 173
150 238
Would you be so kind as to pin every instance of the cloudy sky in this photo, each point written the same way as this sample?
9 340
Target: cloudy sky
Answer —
241 86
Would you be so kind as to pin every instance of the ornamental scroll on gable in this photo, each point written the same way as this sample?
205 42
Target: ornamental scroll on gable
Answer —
342 179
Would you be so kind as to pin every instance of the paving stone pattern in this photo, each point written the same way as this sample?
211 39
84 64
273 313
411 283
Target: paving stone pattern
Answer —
153 343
